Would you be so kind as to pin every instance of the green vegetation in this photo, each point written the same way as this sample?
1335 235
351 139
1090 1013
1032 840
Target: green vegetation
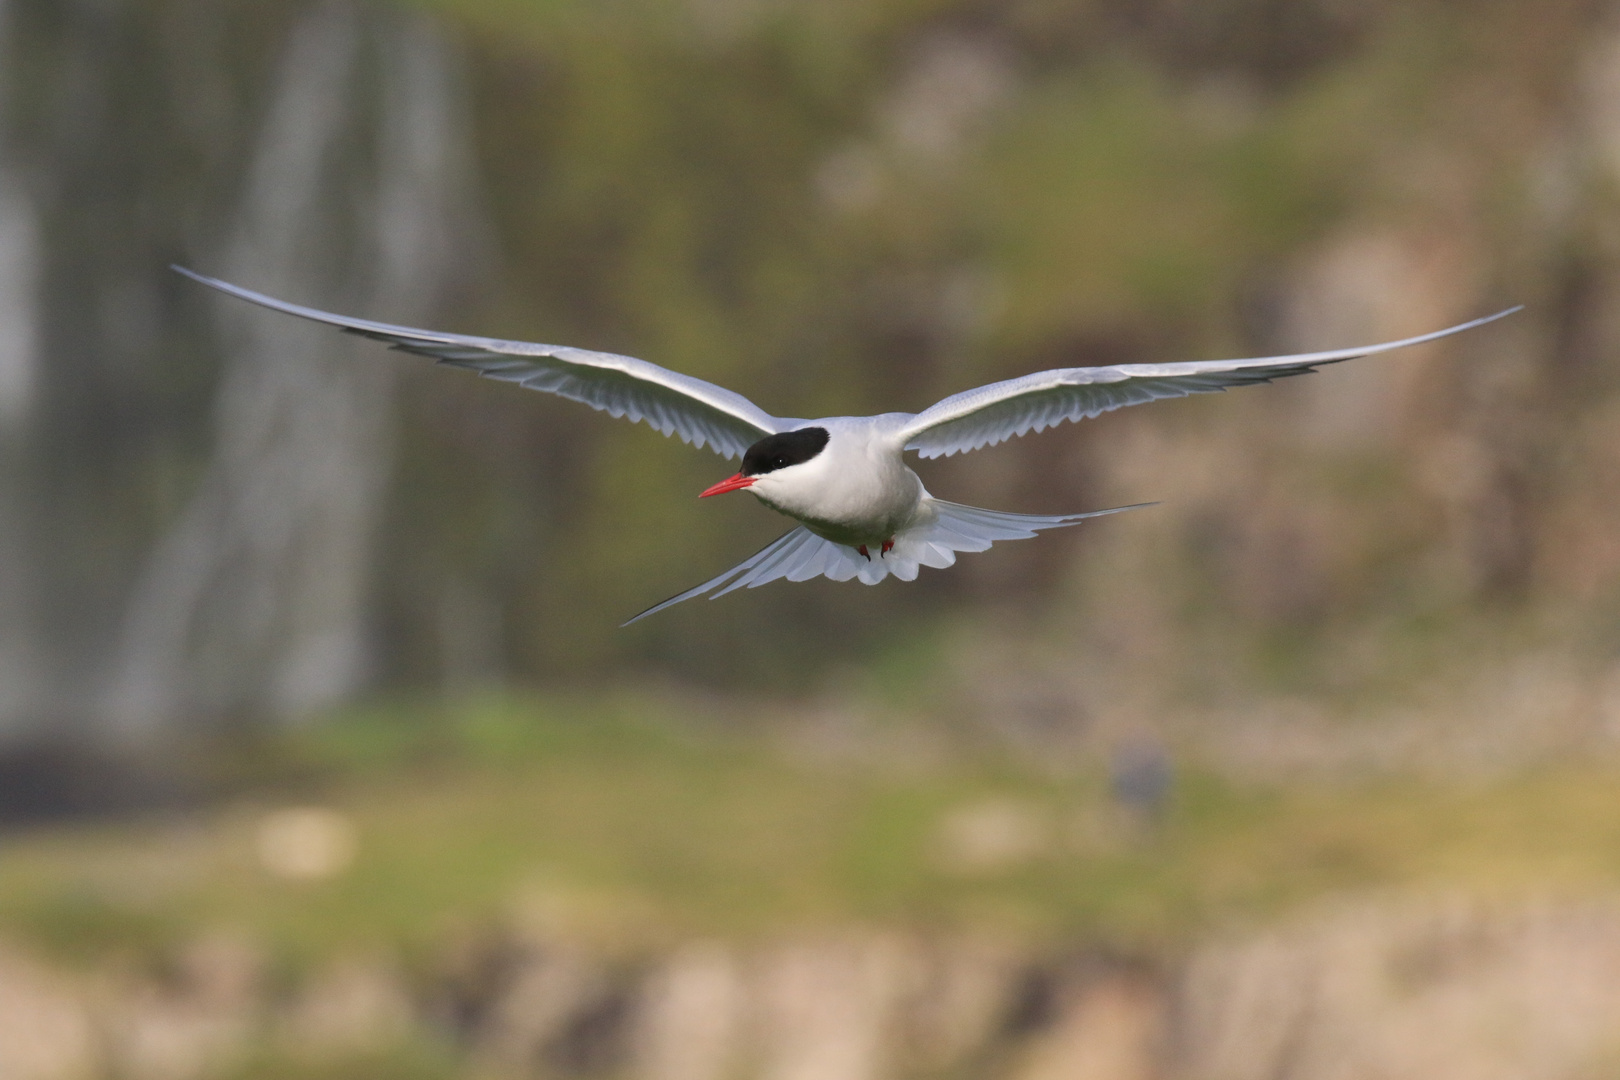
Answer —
842 208
407 1062
626 825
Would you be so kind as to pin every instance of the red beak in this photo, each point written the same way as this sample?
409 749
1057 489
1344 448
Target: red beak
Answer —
730 483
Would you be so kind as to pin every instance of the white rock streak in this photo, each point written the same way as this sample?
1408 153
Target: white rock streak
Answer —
256 597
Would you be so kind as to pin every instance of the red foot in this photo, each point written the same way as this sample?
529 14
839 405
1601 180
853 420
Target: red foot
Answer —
888 546
864 555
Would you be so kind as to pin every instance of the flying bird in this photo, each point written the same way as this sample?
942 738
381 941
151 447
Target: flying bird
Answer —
862 512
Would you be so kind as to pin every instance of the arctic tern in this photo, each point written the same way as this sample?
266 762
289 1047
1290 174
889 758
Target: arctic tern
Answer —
862 512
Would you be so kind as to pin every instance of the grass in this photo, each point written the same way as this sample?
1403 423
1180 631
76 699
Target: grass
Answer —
625 826
406 1062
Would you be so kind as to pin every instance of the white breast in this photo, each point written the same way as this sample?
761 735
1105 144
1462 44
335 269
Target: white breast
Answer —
856 491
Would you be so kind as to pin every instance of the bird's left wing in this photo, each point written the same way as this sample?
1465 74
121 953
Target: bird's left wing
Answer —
1003 410
699 412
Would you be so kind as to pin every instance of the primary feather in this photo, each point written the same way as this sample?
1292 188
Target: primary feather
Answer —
991 414
698 412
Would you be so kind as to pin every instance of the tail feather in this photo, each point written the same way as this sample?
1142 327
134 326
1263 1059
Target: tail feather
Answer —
942 530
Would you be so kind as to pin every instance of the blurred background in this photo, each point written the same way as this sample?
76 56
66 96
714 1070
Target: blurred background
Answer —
322 753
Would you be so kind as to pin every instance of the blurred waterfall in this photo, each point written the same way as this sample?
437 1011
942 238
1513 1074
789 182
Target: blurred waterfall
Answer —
19 265
255 600
19 345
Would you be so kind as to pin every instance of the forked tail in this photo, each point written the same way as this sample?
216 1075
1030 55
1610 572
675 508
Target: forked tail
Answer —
942 530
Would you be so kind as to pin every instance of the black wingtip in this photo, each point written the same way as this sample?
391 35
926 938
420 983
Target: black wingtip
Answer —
638 616
1119 509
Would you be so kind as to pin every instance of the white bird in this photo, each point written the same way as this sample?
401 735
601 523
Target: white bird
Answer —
862 512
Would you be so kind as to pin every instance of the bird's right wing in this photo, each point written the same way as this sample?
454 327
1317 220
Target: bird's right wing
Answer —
699 412
1000 411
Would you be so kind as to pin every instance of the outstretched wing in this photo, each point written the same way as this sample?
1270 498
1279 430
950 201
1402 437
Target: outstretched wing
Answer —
699 412
1003 410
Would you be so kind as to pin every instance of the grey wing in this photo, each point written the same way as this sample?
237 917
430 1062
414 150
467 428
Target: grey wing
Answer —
1003 410
698 412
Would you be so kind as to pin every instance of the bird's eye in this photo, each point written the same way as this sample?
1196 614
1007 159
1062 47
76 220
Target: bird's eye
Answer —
779 462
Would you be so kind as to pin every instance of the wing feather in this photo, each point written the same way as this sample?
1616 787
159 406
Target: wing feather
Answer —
1004 410
698 412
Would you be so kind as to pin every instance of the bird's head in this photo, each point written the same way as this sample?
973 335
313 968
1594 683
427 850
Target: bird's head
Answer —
773 459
